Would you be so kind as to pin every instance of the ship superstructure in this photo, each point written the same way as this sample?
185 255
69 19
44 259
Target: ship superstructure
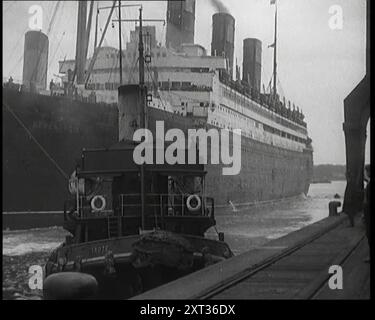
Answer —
193 84
187 88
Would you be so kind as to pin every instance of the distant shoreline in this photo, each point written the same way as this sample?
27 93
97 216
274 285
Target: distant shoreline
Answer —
326 173
327 181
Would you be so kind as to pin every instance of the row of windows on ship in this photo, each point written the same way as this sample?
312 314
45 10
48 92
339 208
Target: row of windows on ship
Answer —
279 108
162 85
261 132
134 54
258 135
246 122
241 101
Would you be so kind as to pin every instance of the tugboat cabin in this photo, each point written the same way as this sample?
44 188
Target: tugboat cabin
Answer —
107 199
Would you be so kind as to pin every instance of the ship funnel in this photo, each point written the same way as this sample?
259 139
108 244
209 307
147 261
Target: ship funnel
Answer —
252 63
35 61
223 25
128 111
180 23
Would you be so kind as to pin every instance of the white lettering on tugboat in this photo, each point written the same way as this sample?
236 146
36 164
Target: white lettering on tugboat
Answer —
99 250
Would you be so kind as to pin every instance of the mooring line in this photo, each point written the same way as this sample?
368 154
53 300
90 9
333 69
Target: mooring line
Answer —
62 172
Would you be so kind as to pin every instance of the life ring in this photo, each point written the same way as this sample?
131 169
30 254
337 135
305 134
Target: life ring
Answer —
102 200
197 199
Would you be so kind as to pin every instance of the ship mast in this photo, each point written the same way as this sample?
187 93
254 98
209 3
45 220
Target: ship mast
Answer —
119 39
141 71
142 95
142 98
96 25
80 41
96 51
275 57
142 108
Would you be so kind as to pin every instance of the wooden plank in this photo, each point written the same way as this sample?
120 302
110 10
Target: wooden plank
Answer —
356 278
208 279
310 290
306 270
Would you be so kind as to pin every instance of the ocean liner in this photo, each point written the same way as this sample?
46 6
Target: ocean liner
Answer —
187 88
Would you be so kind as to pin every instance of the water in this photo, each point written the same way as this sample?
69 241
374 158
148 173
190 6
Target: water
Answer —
244 229
247 228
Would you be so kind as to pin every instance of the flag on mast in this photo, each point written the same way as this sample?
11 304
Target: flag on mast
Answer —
273 2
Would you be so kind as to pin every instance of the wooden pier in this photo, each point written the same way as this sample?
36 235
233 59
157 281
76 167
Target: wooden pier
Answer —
295 266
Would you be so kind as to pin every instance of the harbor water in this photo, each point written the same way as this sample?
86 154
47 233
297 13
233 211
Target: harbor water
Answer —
245 228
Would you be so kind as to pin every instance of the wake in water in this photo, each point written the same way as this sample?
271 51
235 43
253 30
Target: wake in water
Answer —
20 242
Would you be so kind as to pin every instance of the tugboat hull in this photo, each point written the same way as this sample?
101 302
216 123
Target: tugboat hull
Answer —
126 266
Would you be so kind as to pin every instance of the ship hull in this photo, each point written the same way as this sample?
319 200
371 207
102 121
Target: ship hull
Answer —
33 178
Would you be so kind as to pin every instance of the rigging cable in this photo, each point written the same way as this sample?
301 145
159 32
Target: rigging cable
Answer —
14 48
123 41
122 30
47 10
40 49
53 17
16 64
16 45
18 42
114 66
61 171
155 84
133 69
54 54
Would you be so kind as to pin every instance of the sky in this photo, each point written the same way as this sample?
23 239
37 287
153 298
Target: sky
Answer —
317 66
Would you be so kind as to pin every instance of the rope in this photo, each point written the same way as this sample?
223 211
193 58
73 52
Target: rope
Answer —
16 64
114 66
57 24
62 172
17 43
53 17
14 48
134 67
54 54
156 85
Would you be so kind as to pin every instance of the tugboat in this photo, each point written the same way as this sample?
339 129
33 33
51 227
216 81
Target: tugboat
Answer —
133 227
126 248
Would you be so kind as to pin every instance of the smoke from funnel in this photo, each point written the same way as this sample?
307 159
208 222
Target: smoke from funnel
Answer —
220 7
